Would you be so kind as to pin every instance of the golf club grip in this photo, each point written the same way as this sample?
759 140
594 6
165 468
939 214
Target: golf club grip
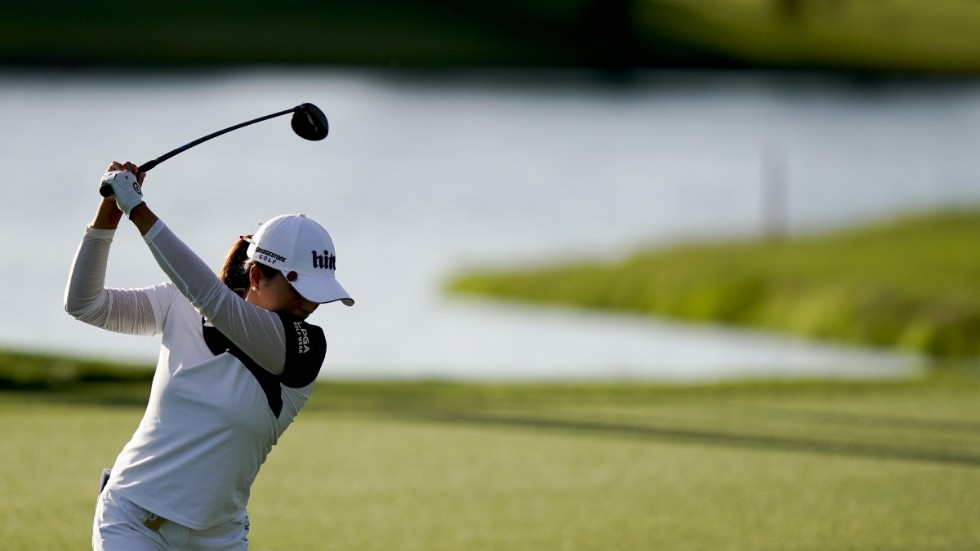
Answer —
106 189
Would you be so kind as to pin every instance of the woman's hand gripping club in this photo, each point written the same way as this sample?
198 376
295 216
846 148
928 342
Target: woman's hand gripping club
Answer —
126 183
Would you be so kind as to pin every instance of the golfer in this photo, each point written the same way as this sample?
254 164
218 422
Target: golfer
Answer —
237 363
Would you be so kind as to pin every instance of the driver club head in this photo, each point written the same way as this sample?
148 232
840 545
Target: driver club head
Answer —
309 122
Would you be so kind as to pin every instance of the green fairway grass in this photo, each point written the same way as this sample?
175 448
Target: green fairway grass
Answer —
755 466
910 283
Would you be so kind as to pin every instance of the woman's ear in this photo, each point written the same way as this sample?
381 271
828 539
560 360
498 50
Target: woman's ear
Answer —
254 277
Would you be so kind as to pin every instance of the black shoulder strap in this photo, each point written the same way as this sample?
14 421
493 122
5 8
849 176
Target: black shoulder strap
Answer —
218 343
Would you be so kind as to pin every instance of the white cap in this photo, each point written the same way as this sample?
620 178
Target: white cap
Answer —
302 250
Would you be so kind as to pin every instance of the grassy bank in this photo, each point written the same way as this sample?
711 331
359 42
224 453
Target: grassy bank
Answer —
891 35
38 371
910 284
437 466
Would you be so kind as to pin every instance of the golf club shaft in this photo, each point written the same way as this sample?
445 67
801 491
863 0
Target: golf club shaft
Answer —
106 190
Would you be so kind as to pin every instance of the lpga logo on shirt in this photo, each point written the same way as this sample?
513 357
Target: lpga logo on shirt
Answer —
302 337
326 260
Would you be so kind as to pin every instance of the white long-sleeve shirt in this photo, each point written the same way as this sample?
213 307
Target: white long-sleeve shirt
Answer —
230 378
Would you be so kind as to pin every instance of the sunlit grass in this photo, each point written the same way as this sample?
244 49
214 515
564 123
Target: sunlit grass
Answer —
869 34
446 466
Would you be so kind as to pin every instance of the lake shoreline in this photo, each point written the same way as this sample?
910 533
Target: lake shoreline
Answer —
853 285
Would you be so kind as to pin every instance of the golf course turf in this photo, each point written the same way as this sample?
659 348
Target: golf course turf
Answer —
753 465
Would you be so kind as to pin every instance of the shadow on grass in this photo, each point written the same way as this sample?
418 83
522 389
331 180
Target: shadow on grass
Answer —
905 423
709 438
545 407
130 395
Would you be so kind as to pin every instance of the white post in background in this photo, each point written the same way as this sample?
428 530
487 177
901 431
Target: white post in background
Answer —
775 193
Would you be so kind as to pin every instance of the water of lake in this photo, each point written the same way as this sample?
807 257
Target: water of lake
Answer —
424 175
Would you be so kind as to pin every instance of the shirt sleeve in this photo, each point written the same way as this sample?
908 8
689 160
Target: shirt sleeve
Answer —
258 332
130 311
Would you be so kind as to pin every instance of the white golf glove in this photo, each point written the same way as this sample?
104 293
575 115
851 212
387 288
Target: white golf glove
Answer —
126 187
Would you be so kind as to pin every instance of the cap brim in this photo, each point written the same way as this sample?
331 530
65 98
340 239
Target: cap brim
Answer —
321 290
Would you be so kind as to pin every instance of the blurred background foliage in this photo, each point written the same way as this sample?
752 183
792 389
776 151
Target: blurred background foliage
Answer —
863 35
909 284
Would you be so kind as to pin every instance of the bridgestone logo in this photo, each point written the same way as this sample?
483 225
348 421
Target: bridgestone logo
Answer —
269 254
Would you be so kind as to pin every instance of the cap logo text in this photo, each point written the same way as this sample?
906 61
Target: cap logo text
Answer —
326 260
269 255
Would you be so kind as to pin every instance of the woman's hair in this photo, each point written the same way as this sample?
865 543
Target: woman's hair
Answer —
234 271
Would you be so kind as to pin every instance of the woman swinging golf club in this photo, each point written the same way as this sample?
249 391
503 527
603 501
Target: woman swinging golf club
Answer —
236 365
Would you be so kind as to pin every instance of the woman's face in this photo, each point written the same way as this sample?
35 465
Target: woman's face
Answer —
277 295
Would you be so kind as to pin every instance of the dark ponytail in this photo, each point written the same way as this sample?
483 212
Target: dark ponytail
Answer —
234 272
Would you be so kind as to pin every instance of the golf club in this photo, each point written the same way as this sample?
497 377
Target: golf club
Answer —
308 123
